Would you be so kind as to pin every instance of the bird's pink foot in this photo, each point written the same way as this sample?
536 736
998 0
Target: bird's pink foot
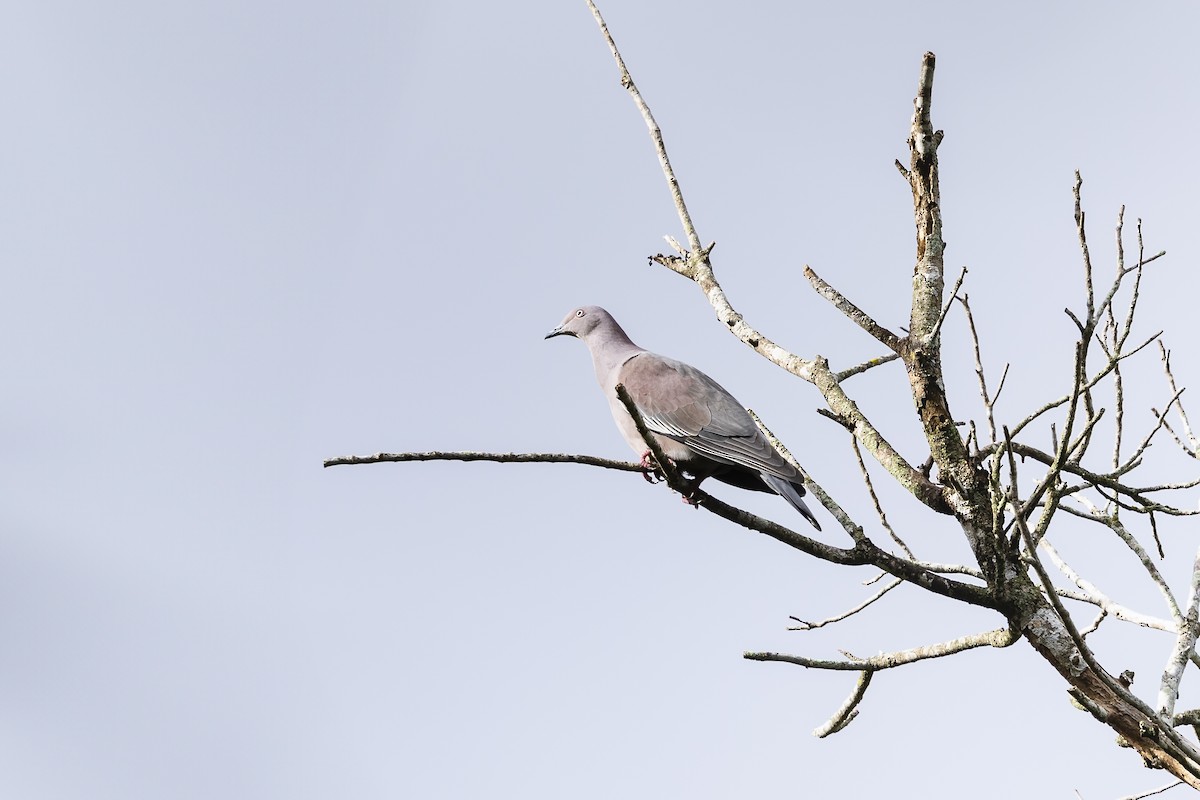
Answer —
650 469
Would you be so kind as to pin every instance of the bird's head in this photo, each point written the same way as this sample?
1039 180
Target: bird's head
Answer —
582 321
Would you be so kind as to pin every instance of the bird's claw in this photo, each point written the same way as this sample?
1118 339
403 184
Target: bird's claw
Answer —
650 469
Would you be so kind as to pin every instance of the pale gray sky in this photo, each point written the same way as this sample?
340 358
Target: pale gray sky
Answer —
239 237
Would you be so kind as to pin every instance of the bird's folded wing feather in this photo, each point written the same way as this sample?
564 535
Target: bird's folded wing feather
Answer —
680 401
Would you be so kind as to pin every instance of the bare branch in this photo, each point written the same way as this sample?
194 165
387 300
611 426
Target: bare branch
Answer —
1189 717
694 264
988 402
811 626
1098 481
928 276
1179 749
1095 626
863 367
1081 231
503 458
966 487
852 312
1159 423
883 520
848 711
1117 341
1001 637
1191 448
1152 792
655 133
849 415
946 308
1092 594
1091 383
1114 524
1185 644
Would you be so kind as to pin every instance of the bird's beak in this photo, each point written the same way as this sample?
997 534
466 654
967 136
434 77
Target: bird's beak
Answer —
556 332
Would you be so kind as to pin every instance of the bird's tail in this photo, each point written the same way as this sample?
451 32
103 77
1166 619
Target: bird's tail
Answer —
793 493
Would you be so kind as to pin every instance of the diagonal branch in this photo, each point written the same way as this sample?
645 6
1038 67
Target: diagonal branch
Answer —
1152 792
1113 523
1175 745
848 711
655 133
1001 637
989 402
1191 447
1185 644
1090 593
889 458
863 367
946 308
883 520
695 264
812 626
853 312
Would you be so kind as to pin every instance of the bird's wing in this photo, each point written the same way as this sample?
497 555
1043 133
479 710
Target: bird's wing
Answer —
681 402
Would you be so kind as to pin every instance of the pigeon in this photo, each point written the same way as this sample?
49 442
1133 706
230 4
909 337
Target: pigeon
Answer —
695 421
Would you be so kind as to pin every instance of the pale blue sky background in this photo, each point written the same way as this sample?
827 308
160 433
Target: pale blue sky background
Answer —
239 237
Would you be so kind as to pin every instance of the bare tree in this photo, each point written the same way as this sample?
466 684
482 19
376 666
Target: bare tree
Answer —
1007 495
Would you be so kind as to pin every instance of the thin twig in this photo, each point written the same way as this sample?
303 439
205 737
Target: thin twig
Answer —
863 367
1100 375
1152 792
812 626
1191 447
988 403
655 133
1159 423
946 308
1095 626
866 475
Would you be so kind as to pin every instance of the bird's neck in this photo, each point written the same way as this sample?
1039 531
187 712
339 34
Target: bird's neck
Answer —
610 349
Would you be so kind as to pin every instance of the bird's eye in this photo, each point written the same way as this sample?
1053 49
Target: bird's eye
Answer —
579 313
